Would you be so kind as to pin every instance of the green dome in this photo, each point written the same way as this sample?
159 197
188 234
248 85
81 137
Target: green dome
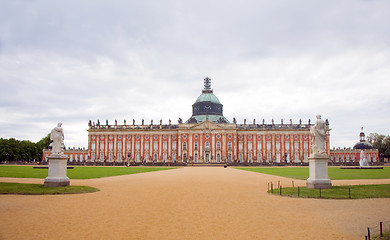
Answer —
207 97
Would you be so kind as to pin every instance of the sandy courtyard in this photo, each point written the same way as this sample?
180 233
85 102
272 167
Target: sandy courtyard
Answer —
187 203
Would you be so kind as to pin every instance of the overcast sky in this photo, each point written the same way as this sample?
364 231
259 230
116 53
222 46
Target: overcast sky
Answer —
75 61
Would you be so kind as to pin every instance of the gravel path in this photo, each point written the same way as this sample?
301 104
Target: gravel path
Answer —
187 203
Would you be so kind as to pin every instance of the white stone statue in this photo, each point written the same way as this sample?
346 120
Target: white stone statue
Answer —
319 132
363 160
57 136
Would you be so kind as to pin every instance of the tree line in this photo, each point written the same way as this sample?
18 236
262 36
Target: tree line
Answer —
380 142
17 150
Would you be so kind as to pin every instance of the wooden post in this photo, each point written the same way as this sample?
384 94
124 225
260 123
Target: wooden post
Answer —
349 193
280 190
380 229
298 191
368 231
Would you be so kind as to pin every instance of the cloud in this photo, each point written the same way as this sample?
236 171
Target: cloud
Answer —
75 61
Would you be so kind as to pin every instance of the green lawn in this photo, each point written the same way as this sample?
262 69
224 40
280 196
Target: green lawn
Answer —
338 192
39 189
335 173
77 172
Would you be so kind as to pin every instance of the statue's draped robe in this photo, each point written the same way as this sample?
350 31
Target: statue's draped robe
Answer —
318 131
57 136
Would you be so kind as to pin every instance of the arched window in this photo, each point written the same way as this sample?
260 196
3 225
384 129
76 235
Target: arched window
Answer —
184 145
218 158
218 146
196 146
207 144
229 146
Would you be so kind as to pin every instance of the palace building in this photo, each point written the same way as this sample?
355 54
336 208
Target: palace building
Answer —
206 137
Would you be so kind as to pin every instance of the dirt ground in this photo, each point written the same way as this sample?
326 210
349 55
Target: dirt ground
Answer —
187 203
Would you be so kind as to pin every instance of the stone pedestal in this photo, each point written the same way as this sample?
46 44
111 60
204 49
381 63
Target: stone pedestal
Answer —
318 167
57 172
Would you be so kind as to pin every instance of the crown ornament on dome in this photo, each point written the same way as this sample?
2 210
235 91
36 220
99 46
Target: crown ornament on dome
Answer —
207 85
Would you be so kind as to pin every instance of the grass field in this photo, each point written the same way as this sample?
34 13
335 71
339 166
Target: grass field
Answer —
338 192
77 172
38 189
335 173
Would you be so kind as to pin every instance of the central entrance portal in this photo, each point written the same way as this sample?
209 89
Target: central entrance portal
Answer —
207 157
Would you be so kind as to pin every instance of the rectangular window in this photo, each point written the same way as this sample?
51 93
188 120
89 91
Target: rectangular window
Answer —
296 146
230 146
277 146
119 157
93 146
306 145
259 146
155 146
110 146
165 146
268 146
146 146
128 146
174 146
240 146
119 146
249 146
287 146
137 146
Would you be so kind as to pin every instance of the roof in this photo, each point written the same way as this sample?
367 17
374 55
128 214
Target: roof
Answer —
207 97
363 145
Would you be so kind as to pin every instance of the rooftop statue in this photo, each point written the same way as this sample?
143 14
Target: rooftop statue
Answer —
319 131
57 136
